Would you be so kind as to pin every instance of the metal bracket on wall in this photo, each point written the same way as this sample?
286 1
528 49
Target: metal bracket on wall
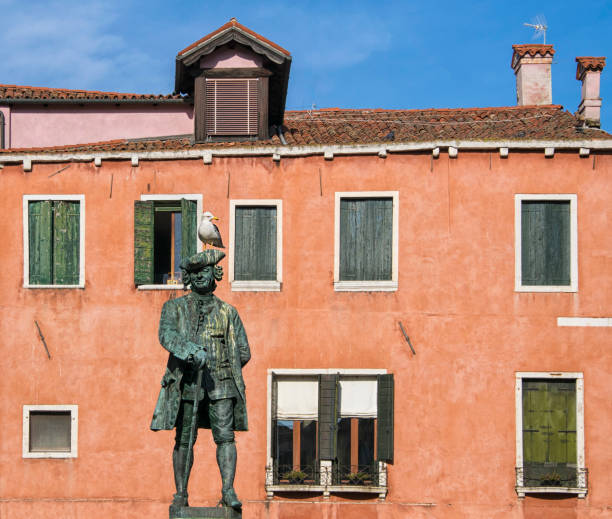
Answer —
406 337
42 339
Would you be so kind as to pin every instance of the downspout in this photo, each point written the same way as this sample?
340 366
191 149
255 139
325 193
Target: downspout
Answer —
2 125
279 132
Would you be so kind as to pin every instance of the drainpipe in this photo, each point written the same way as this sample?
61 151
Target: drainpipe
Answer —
2 125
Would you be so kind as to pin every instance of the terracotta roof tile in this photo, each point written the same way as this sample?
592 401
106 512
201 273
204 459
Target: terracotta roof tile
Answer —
533 49
585 63
21 92
372 126
234 23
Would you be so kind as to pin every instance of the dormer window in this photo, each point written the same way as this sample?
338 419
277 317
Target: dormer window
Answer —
238 80
232 106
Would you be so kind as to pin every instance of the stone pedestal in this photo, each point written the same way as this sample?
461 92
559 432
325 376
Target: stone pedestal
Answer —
205 512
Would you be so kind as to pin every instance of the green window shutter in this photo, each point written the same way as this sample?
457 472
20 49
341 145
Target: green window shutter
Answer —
143 242
384 433
255 243
274 410
545 236
66 242
366 239
549 431
328 416
39 242
189 228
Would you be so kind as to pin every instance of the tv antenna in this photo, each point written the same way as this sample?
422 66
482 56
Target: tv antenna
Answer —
539 26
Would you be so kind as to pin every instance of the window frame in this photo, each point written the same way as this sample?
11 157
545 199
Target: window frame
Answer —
581 472
518 201
74 431
367 285
26 237
257 285
325 485
198 199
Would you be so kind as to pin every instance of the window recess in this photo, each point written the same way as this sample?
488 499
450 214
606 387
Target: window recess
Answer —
165 232
50 431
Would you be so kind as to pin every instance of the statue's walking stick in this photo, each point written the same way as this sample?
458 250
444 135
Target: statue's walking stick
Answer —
194 425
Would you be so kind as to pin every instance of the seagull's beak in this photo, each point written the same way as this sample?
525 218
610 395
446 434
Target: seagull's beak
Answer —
214 218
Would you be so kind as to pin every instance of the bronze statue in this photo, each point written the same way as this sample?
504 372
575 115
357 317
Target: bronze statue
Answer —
203 385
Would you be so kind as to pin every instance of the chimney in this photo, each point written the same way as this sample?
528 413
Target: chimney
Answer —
589 71
531 65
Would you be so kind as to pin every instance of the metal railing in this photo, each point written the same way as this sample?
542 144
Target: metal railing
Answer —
363 475
287 475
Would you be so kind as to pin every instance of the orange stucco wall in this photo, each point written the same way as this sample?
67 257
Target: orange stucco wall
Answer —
454 405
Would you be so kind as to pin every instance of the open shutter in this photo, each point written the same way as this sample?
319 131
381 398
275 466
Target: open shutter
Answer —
273 412
328 416
384 433
189 228
255 243
66 242
200 109
39 242
143 242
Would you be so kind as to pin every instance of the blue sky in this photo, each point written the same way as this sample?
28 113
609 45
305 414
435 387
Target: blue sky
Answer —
349 54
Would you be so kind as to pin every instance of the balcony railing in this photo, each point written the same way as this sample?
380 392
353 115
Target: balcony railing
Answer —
551 481
361 475
290 475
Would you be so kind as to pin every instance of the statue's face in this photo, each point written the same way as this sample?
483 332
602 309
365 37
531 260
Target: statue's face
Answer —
203 280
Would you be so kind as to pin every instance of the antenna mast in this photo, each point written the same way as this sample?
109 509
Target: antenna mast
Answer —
539 26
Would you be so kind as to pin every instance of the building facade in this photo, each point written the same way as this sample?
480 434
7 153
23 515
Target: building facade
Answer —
426 295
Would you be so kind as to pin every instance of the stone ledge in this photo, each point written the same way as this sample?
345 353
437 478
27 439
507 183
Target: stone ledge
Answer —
205 512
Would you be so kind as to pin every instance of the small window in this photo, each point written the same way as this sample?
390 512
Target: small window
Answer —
332 432
366 241
232 106
546 243
54 245
255 245
551 434
50 431
165 232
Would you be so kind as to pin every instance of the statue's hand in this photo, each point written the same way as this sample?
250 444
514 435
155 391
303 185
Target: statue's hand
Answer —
199 359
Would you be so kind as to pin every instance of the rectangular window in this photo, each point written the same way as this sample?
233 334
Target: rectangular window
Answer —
165 232
366 241
50 431
255 245
550 435
54 243
232 106
546 243
330 429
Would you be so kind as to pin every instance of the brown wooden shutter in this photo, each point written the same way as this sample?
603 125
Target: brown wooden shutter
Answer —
200 109
232 106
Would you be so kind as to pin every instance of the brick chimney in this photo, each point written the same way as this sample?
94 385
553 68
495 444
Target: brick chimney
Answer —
589 71
531 65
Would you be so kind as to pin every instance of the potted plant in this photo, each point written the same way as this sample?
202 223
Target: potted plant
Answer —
552 479
358 478
295 477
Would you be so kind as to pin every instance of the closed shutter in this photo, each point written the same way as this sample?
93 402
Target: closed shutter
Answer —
232 106
545 248
384 433
189 226
143 242
366 239
273 412
40 218
328 416
549 433
255 243
66 242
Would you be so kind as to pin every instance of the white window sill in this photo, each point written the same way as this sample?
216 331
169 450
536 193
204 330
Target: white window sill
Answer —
54 286
365 286
256 286
546 288
580 492
160 287
50 454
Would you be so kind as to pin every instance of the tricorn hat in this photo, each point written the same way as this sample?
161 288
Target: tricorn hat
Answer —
202 259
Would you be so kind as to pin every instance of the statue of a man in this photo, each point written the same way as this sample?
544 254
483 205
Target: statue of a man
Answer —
205 337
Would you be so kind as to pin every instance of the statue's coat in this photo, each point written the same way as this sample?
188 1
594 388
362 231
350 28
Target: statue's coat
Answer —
178 327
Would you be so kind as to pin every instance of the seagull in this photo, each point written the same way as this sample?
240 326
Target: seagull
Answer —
209 232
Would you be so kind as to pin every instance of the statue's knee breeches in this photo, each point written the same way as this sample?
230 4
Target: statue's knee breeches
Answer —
183 425
221 414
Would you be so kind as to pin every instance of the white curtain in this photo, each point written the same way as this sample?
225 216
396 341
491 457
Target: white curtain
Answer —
358 397
298 399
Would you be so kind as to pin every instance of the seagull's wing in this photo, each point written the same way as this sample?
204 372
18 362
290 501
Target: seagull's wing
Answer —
216 240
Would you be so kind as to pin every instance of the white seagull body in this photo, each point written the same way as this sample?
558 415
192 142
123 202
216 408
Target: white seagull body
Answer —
209 232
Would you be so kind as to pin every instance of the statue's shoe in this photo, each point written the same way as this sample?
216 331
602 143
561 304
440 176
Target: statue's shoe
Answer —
179 501
230 498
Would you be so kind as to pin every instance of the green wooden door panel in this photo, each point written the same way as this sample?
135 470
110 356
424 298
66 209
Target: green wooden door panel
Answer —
40 223
366 239
189 228
328 416
143 242
384 435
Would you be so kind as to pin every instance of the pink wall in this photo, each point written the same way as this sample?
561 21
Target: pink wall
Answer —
230 58
40 126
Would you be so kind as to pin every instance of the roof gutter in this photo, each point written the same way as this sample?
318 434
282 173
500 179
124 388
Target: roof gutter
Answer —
21 101
583 147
